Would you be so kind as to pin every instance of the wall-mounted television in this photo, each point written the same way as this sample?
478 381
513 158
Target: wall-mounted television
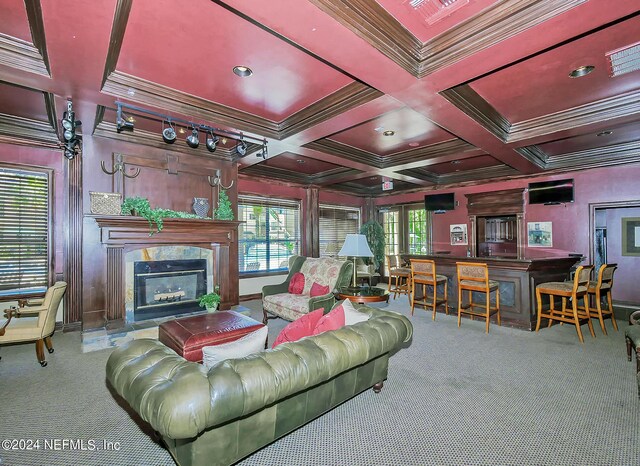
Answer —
439 202
551 192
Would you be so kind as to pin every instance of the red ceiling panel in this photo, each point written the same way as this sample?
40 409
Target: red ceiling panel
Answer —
195 49
472 163
14 20
414 19
541 85
619 134
298 163
411 130
22 102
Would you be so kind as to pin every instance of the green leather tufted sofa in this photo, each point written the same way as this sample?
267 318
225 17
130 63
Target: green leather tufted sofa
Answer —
240 405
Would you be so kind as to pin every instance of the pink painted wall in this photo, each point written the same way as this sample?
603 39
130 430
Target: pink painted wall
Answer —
570 221
626 276
36 157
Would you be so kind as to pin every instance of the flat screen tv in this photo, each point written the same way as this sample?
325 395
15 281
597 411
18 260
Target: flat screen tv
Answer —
551 192
439 202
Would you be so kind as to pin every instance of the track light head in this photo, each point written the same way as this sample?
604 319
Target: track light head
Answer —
212 142
263 152
122 123
241 147
169 134
69 123
192 140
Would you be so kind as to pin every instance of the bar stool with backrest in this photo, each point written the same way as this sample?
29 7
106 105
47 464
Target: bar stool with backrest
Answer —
474 277
601 288
567 290
399 276
423 272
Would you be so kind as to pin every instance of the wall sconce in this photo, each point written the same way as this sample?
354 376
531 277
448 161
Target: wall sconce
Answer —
217 181
69 125
192 140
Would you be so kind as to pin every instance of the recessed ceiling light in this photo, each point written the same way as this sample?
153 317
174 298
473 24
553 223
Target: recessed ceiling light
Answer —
388 133
131 92
373 177
130 119
242 71
582 71
181 131
414 144
300 161
604 133
456 162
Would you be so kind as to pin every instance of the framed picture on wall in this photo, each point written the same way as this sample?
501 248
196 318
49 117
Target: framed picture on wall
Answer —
631 236
458 234
539 234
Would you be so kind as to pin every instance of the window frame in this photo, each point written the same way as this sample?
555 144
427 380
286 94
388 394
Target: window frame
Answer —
268 202
49 173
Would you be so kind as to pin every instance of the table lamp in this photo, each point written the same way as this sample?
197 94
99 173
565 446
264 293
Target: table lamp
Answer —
355 246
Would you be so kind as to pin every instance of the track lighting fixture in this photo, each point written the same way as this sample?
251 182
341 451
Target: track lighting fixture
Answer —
263 152
241 147
123 123
192 140
214 136
212 142
69 125
168 133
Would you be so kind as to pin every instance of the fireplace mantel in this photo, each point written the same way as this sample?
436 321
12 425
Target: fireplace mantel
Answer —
121 234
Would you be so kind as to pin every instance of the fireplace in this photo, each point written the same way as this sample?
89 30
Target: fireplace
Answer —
167 287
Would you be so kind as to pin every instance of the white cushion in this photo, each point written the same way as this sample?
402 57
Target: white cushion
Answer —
351 314
243 346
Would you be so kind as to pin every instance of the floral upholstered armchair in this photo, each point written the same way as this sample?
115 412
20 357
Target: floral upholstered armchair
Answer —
309 286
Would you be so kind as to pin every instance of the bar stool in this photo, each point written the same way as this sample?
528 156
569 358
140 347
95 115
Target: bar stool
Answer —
399 277
574 291
473 276
602 288
423 272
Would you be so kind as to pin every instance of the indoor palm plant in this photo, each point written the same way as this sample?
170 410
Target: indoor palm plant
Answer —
375 237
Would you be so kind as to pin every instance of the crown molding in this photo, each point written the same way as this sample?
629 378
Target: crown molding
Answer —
27 132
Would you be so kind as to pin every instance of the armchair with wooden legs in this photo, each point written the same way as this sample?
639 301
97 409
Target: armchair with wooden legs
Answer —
34 323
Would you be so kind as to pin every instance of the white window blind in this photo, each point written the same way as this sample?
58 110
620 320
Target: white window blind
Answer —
269 235
335 223
24 231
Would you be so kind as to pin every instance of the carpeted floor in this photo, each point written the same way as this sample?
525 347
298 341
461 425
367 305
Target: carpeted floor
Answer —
454 397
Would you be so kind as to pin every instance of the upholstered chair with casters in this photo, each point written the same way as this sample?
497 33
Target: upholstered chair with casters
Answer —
36 323
399 276
423 273
474 277
599 289
575 291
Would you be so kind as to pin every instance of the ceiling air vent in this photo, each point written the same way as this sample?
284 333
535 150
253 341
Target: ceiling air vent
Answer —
434 10
624 60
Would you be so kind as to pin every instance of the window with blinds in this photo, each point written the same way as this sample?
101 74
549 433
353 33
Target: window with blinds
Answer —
407 229
24 231
335 223
269 235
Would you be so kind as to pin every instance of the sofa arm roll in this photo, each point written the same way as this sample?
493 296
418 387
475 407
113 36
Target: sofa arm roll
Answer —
167 391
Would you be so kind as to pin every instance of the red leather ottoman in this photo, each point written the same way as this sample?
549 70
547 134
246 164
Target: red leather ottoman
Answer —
187 336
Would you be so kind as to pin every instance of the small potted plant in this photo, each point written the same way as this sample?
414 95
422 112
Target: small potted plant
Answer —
210 301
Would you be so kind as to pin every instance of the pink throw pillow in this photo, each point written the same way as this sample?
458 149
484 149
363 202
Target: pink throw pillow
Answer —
331 321
299 328
296 284
318 290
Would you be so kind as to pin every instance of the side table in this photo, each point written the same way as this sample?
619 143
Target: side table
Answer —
363 294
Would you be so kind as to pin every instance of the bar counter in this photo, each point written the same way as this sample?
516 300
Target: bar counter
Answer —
517 277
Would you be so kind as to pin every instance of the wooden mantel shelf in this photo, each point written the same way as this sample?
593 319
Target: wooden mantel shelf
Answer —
131 230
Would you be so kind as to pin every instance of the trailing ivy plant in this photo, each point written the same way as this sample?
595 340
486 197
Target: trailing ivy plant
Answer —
375 237
140 206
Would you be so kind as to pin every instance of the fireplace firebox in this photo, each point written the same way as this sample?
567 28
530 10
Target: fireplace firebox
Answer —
167 287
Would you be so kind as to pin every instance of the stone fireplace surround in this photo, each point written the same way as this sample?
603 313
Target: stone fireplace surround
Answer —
122 234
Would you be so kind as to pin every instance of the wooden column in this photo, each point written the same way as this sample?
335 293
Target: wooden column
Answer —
115 285
73 245
312 222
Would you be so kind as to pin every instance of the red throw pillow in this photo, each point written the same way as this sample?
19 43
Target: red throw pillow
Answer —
331 321
318 290
296 284
299 328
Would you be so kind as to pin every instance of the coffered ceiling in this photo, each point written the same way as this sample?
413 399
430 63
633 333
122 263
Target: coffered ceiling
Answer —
347 93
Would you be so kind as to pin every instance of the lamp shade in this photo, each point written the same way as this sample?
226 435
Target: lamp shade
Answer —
355 246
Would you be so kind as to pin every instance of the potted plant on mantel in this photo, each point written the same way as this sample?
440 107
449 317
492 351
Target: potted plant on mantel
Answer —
211 301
